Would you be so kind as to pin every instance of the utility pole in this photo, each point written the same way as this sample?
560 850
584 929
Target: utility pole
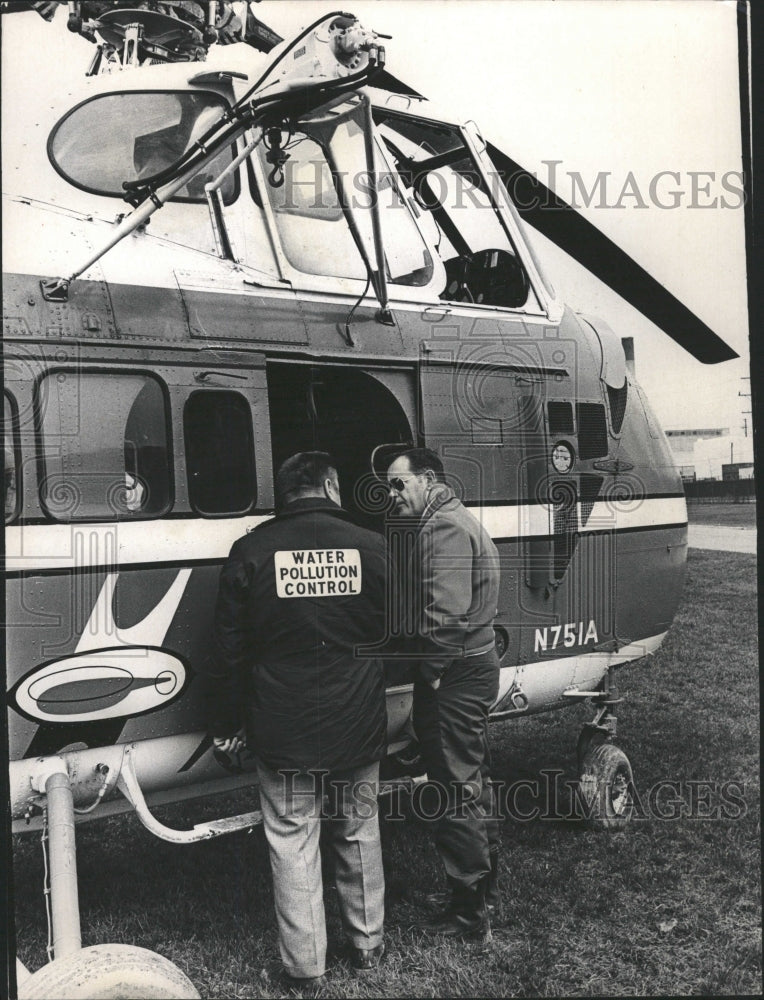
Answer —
745 395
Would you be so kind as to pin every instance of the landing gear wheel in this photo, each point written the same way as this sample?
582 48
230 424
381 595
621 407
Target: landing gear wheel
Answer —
589 737
605 784
109 972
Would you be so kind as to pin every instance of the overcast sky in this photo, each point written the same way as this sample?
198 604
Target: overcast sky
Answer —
620 87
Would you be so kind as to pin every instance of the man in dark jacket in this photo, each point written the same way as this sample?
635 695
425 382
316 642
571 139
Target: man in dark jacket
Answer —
298 595
451 596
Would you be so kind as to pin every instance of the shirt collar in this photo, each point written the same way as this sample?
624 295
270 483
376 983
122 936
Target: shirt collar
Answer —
440 494
310 504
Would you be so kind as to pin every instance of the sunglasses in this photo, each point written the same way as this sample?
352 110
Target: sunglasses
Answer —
398 484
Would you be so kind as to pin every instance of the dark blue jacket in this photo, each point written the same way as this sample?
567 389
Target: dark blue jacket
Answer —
296 598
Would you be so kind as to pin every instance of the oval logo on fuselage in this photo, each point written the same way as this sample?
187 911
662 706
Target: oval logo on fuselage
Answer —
101 684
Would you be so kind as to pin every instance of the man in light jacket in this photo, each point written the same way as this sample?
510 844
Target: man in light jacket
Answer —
451 590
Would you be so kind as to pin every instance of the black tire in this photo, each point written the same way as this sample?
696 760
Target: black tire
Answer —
605 785
588 737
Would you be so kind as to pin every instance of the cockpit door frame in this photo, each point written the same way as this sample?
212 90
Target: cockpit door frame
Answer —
347 286
505 211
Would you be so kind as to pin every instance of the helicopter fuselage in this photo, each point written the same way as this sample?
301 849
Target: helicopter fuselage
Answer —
147 407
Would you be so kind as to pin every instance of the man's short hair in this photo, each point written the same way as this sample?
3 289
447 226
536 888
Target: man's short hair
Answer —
305 471
422 459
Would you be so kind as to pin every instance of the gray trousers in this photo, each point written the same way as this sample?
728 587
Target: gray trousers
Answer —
291 803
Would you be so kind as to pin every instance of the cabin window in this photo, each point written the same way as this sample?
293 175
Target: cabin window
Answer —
219 453
129 136
106 447
312 225
11 467
452 202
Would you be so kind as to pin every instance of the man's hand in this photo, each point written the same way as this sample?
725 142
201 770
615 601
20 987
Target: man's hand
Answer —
230 744
434 684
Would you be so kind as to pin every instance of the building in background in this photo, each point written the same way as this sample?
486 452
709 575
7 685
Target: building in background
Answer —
683 444
737 470
714 465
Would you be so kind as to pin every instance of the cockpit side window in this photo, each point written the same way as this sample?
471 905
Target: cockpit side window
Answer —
314 235
482 265
132 135
106 447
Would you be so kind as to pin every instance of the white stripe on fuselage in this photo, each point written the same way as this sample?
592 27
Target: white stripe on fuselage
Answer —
588 668
89 546
64 547
526 520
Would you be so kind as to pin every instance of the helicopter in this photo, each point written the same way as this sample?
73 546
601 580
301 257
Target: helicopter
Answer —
251 247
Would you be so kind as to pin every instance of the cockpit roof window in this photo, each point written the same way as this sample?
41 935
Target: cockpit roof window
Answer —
131 135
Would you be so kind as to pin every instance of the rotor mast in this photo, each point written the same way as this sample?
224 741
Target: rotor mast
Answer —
135 34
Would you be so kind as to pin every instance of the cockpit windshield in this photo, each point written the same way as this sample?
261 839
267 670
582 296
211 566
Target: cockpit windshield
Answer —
133 135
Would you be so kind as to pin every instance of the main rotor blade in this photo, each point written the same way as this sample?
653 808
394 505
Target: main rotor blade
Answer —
574 234
386 81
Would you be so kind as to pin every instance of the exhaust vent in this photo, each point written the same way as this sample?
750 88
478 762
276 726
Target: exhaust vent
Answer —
617 400
592 431
560 417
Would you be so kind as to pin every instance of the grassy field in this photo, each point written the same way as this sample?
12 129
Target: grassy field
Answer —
733 515
667 907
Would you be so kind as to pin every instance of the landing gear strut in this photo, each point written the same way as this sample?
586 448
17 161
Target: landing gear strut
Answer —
605 778
117 971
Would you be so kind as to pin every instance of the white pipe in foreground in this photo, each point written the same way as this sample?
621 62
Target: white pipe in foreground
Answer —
65 905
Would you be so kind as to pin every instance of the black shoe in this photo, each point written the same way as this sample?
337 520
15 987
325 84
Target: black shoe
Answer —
441 900
466 917
304 986
459 925
365 959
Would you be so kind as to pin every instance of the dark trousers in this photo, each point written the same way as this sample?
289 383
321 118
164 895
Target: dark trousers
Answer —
451 725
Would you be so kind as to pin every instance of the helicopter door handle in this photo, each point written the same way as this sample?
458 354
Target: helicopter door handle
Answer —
210 377
431 312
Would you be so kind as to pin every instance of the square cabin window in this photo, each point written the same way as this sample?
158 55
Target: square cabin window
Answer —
220 453
105 446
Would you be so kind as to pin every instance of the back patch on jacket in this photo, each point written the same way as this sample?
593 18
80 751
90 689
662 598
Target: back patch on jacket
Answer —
317 572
